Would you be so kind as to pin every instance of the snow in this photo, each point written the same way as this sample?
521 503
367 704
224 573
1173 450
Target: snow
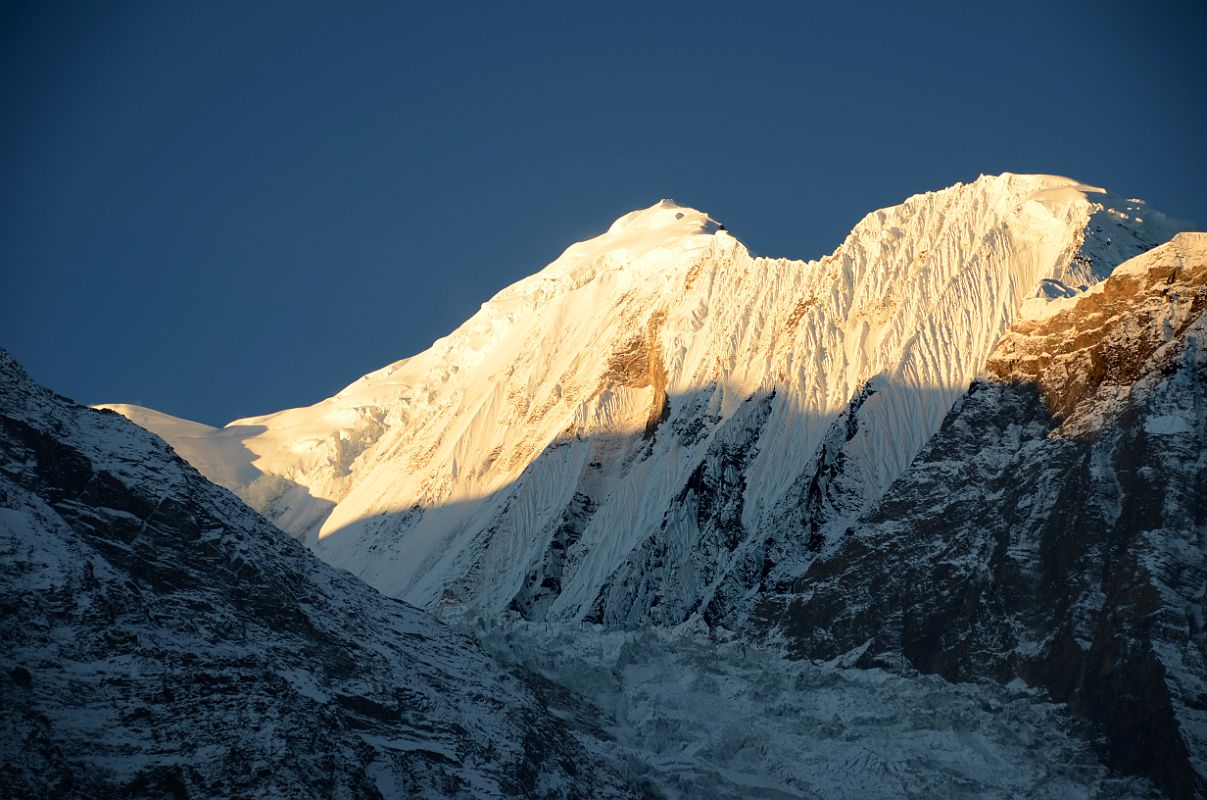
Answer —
442 479
1114 225
217 453
1150 297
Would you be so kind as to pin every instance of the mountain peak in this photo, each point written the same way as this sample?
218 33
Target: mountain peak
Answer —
662 218
638 243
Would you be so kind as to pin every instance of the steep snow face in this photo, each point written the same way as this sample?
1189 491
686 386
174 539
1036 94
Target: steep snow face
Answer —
161 639
659 424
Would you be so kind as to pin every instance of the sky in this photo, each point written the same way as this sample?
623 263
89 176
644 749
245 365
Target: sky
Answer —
223 209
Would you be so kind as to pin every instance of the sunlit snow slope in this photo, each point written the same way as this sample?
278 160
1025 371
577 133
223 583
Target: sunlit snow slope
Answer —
660 424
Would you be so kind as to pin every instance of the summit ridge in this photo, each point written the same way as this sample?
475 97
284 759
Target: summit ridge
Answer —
567 452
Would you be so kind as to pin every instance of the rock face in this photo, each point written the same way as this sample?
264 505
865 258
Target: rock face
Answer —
163 640
660 425
1054 530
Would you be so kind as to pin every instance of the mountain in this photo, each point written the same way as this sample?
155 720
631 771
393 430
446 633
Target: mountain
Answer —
1054 530
161 639
660 426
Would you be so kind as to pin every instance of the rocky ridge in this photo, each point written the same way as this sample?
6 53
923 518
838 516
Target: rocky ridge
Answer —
161 639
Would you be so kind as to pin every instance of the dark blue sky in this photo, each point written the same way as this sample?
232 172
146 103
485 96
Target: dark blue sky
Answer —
220 209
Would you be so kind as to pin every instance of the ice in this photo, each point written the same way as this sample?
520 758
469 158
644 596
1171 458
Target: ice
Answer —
693 717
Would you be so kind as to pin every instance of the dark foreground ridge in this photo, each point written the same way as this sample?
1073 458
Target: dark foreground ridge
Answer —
163 640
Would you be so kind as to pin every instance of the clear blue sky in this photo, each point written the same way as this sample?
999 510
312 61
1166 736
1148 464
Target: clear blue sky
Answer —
219 209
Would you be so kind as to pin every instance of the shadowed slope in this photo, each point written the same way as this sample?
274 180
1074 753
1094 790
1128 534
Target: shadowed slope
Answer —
162 639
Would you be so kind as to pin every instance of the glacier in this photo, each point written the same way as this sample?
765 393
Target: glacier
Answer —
684 716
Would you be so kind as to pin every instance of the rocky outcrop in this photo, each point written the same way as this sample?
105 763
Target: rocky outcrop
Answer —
1054 531
1082 351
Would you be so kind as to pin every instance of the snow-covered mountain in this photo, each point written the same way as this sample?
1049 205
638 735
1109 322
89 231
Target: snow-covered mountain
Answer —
968 442
1054 531
160 639
660 424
